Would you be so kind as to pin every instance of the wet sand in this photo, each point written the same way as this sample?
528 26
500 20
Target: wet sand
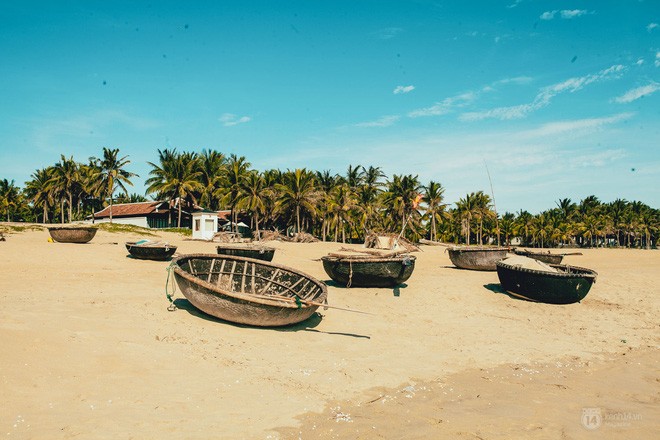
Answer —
91 351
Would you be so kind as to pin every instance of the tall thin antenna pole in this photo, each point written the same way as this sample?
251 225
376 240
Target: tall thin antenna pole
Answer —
497 221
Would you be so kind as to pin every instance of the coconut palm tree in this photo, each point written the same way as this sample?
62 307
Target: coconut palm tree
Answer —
176 177
399 199
436 210
253 196
211 165
9 197
111 175
64 179
340 204
236 170
467 209
38 192
325 183
298 194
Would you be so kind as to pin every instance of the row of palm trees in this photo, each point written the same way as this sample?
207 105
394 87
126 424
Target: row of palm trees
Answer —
330 206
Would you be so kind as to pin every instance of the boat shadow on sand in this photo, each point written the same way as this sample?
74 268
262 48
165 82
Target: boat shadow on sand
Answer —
396 290
307 325
497 288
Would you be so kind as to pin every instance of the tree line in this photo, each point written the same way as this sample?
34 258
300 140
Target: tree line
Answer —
328 205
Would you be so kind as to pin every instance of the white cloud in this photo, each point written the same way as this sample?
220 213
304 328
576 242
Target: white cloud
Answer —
544 96
445 106
566 14
651 26
230 119
548 15
385 121
640 61
514 80
403 89
577 125
657 59
639 92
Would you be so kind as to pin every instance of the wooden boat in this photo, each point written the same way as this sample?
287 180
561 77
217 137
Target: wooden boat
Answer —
247 250
546 257
564 285
150 250
369 271
476 257
248 291
72 234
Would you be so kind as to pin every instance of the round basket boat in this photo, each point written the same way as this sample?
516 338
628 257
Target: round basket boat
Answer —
477 257
569 284
546 257
248 291
72 234
369 272
247 250
147 251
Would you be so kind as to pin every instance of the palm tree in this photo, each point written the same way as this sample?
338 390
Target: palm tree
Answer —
111 174
298 193
399 199
523 226
38 192
253 196
211 165
467 209
236 169
340 204
436 210
64 179
9 197
176 177
325 182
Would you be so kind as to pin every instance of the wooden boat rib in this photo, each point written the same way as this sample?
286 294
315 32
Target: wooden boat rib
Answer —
150 251
369 271
248 291
72 234
247 250
476 257
568 284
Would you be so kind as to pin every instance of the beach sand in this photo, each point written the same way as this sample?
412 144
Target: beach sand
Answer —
89 350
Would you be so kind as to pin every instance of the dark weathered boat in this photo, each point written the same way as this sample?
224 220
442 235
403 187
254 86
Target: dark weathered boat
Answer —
369 271
248 291
150 251
72 234
476 257
247 250
569 284
546 257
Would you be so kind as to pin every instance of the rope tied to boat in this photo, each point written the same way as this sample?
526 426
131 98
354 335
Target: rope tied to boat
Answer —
298 300
350 274
168 295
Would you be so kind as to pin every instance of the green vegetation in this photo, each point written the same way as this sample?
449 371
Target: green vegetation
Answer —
330 206
7 229
118 228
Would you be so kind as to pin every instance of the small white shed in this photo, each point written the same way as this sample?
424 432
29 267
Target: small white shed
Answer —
204 224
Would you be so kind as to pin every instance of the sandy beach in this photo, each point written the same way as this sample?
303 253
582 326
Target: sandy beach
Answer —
90 351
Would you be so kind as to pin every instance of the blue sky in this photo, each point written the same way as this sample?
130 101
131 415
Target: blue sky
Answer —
557 98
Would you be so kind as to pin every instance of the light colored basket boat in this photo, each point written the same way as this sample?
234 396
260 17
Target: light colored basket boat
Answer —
248 291
477 257
247 250
72 234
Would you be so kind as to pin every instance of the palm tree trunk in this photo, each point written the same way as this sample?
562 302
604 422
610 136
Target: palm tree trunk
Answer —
298 217
179 220
110 209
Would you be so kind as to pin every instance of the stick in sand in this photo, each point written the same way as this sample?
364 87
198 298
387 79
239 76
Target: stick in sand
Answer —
305 301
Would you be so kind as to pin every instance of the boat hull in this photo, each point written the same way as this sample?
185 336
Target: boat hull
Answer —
568 286
381 272
69 234
145 252
477 258
264 253
234 289
540 256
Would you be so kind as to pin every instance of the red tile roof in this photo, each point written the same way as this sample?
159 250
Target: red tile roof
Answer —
132 209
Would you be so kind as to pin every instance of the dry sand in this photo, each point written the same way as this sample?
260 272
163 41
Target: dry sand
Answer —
90 351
